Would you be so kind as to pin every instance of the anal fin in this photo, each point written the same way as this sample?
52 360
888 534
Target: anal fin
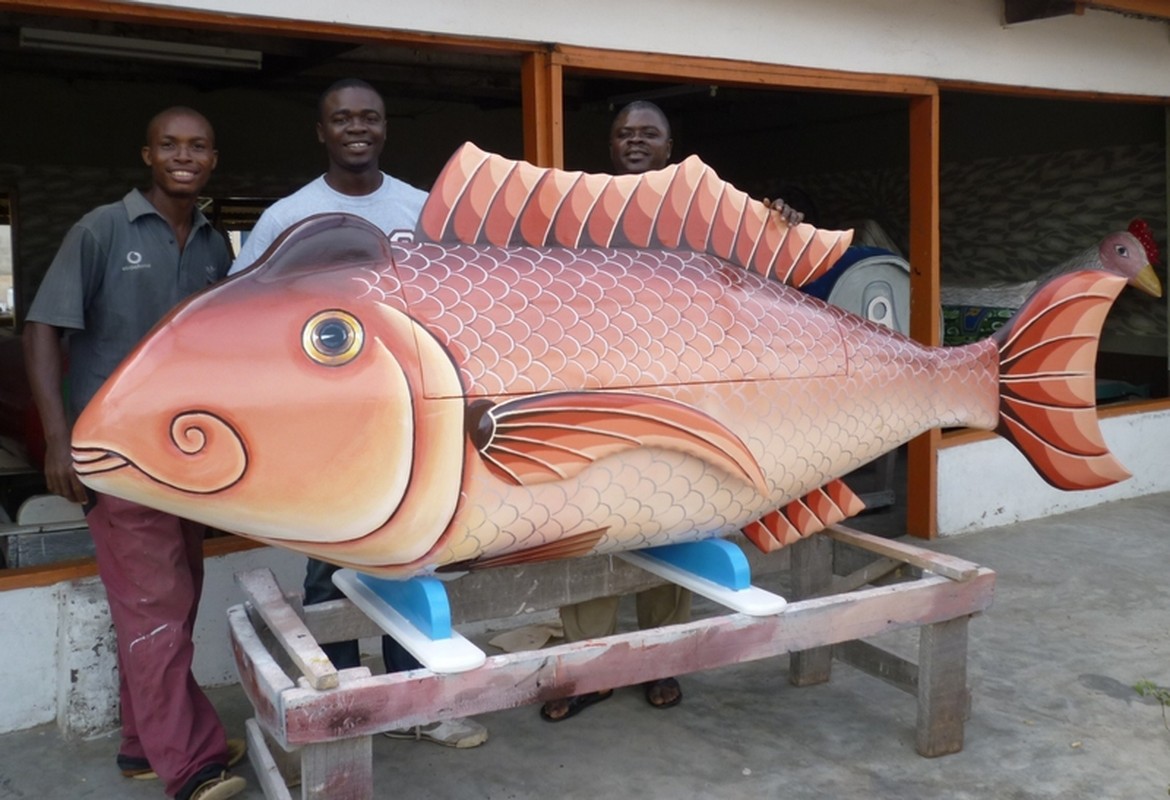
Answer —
805 516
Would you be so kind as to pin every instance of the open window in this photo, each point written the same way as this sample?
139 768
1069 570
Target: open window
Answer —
1028 183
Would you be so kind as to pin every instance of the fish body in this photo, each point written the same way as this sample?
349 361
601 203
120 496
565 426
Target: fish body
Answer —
453 404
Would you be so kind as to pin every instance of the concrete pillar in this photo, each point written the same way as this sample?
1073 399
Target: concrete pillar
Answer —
87 686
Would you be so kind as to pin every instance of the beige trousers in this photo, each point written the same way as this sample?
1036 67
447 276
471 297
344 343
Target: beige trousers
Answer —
668 604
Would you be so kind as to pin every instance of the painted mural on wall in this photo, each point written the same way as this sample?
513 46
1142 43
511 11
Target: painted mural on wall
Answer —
561 364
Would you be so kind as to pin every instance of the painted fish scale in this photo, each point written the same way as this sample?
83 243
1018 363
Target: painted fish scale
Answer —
615 319
650 497
503 340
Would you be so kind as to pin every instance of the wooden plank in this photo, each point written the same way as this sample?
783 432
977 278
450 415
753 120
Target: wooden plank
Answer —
383 702
925 256
261 677
261 587
812 575
948 566
543 110
727 72
263 764
943 699
338 770
899 672
874 570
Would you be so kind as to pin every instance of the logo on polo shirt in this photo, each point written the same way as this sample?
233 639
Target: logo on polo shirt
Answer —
134 261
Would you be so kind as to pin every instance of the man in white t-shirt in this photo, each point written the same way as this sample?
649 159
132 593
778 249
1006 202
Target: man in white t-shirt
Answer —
352 126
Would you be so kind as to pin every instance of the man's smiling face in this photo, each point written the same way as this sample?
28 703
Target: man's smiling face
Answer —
181 154
639 141
353 128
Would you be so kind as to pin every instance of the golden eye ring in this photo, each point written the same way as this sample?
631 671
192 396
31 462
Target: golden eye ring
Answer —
332 338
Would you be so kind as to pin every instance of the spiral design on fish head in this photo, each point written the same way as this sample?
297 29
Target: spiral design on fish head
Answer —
210 455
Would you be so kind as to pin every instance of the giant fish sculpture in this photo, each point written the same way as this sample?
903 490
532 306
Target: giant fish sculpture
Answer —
561 364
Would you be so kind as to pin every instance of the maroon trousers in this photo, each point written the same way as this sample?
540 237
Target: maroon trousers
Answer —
151 564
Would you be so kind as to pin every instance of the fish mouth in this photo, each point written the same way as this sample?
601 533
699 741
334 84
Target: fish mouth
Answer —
202 455
88 461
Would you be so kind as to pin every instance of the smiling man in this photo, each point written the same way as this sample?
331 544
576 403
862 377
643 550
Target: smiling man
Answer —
639 139
352 126
118 271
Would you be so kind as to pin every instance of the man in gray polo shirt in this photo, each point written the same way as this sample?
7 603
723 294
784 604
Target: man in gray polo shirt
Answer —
120 269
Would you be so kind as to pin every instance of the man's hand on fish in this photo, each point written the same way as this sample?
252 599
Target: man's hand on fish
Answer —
786 212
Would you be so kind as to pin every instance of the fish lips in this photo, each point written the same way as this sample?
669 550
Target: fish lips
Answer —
204 455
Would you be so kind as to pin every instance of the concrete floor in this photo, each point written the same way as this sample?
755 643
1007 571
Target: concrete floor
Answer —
1082 613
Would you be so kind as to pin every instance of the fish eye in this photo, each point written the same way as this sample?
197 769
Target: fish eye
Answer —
332 338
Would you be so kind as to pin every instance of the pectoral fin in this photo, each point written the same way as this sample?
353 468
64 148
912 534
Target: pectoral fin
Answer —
555 436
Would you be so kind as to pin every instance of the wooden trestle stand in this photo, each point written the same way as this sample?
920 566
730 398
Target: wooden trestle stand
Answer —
312 723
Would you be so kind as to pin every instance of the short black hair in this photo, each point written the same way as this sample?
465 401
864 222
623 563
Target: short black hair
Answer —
344 83
645 105
177 111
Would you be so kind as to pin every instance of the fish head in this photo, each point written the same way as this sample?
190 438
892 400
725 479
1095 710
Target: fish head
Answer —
1122 254
264 404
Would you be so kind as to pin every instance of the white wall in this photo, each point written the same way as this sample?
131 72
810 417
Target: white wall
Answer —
1009 490
956 39
29 642
59 661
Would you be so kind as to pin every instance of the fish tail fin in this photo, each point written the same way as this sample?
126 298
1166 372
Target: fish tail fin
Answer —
1048 402
803 517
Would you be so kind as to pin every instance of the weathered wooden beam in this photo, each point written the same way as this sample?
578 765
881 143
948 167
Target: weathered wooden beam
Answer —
943 697
812 575
338 770
873 571
366 705
939 563
272 782
899 672
262 590
261 678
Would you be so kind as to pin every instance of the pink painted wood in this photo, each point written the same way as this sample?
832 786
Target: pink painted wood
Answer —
365 705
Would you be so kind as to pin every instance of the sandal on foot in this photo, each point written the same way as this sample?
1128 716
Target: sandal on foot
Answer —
658 688
573 705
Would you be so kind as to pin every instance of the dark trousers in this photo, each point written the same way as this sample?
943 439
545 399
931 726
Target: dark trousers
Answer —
319 588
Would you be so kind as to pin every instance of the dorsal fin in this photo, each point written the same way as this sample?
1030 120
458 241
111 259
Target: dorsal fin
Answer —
321 242
483 198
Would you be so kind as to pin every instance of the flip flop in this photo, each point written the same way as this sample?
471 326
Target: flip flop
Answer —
576 704
663 684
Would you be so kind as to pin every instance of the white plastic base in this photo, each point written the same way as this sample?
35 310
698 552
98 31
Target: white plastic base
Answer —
753 601
454 654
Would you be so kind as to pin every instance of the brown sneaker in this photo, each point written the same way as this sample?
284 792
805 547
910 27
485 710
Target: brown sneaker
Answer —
139 769
219 788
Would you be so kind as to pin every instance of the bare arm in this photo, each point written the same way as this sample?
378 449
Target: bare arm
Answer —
42 357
